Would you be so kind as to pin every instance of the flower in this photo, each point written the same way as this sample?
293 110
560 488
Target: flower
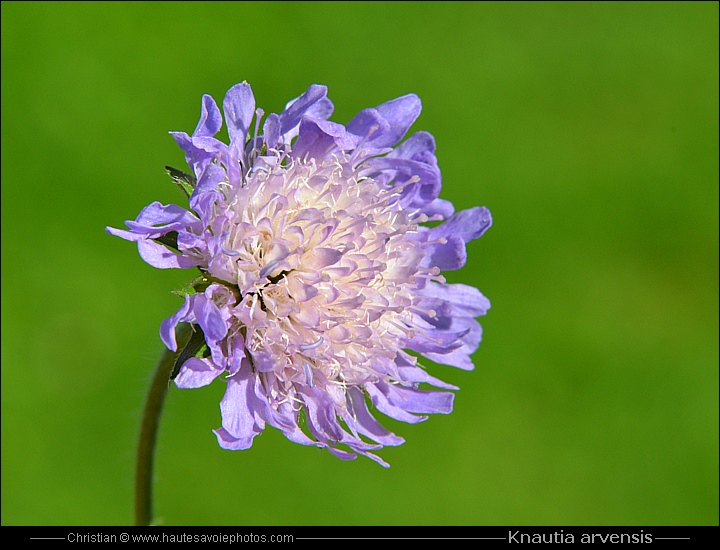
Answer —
316 275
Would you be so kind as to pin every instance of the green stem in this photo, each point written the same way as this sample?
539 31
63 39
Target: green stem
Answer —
149 429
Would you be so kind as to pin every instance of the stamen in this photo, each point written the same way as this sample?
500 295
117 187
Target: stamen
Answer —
265 271
229 252
406 330
259 113
254 152
405 228
428 272
252 309
393 193
431 313
439 240
308 374
314 345
359 152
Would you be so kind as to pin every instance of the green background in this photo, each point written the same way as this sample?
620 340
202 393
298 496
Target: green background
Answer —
589 130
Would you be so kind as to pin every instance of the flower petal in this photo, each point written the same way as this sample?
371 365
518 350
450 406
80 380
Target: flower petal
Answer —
157 213
196 373
239 108
415 147
370 124
196 155
460 357
467 301
447 256
301 106
425 190
167 328
263 361
210 118
365 423
239 409
418 401
387 123
317 138
272 130
210 318
321 418
321 257
468 224
400 113
159 256
284 417
382 403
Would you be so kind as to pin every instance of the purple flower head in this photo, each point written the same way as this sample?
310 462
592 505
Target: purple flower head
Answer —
316 274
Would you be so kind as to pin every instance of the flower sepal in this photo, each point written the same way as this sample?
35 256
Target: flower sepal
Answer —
200 284
186 182
195 347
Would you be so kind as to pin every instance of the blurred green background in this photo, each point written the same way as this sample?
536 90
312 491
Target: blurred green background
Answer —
590 130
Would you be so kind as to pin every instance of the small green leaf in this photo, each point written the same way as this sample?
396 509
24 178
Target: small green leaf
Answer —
169 239
186 182
198 284
187 290
194 345
203 352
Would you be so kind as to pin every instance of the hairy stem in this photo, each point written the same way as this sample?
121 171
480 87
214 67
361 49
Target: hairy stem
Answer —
149 429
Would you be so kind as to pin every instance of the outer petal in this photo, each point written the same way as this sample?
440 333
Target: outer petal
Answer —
385 406
321 418
124 234
284 418
365 423
318 137
468 224
272 130
197 156
156 220
418 401
210 318
387 124
435 341
239 410
439 207
400 113
370 124
415 195
446 248
415 147
208 180
239 107
321 109
167 327
467 301
323 424
196 373
448 256
416 374
159 256
460 357
157 213
300 106
210 118
228 441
